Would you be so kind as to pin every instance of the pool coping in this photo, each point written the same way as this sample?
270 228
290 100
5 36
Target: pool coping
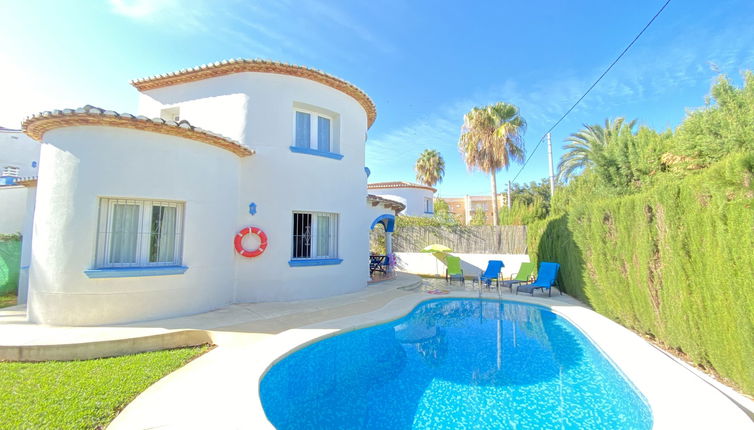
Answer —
677 397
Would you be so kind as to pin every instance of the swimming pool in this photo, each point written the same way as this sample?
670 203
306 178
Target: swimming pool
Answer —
454 363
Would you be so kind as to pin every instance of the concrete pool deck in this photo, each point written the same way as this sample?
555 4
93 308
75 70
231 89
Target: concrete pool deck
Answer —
242 323
221 388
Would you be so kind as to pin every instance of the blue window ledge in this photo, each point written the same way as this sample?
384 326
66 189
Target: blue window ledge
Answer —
310 151
315 262
128 272
429 213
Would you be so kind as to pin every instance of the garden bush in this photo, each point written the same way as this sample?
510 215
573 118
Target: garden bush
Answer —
675 262
10 262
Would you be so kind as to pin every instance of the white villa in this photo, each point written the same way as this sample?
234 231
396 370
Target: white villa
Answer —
148 216
419 199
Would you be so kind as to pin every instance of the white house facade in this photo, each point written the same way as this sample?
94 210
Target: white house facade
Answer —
19 161
419 199
150 216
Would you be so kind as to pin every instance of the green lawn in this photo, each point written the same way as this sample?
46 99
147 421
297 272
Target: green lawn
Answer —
80 394
8 299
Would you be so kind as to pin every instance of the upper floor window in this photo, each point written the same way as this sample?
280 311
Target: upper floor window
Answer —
139 233
315 235
313 131
316 131
171 114
11 171
428 205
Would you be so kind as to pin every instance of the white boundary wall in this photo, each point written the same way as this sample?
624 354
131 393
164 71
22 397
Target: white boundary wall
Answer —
472 264
12 209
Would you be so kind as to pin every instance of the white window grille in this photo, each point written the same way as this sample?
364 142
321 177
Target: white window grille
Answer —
313 131
139 233
315 235
12 171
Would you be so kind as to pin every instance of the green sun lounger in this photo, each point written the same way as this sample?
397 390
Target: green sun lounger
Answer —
522 277
454 268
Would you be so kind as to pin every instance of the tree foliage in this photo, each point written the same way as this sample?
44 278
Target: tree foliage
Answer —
430 168
441 217
492 137
584 147
724 125
479 217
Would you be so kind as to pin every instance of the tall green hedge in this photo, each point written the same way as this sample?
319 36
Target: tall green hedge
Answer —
10 261
675 262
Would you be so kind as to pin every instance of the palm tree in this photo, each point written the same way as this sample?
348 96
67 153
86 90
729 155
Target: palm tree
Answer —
583 146
430 167
491 137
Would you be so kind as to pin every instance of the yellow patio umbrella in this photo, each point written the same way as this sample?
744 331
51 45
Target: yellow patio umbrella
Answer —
438 251
436 248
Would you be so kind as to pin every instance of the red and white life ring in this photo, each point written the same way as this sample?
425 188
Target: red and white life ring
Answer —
262 242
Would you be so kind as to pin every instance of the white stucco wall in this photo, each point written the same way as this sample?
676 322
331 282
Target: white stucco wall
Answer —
82 164
223 114
280 181
413 198
26 241
472 264
19 150
12 208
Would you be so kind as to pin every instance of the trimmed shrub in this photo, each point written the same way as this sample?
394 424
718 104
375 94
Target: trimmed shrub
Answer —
675 263
10 262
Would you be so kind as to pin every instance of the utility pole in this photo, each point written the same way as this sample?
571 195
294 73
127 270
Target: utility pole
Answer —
552 172
508 200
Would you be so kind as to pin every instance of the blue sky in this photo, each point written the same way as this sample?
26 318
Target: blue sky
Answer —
424 63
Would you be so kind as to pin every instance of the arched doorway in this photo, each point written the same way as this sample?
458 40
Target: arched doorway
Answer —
379 262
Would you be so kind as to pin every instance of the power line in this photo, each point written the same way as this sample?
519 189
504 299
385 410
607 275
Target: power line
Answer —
590 88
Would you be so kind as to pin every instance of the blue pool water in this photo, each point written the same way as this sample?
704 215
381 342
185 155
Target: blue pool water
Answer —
454 364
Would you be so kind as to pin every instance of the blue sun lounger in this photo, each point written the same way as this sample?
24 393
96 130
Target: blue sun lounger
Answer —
492 273
547 276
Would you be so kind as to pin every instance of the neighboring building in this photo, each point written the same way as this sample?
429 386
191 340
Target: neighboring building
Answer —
419 199
19 156
464 207
137 216
19 159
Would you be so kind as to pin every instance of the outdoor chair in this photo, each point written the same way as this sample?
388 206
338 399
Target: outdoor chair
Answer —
492 273
546 278
453 269
378 263
522 277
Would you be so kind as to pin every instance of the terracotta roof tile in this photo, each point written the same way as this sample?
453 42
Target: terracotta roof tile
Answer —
37 125
398 184
240 65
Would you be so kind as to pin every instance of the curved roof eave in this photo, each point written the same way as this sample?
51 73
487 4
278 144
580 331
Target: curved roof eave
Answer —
37 125
240 65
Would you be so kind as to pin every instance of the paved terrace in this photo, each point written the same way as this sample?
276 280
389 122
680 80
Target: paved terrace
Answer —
221 388
239 323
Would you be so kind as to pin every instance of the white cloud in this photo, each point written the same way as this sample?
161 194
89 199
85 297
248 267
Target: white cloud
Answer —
140 9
